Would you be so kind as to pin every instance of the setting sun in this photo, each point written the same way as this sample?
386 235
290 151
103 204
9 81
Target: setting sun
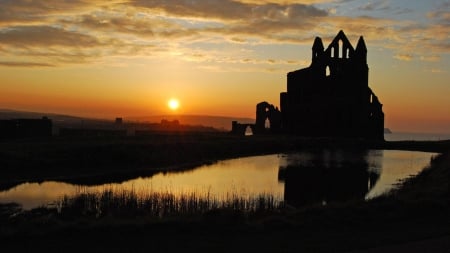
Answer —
218 63
173 104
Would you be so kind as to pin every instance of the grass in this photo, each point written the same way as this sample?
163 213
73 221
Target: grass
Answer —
164 222
129 203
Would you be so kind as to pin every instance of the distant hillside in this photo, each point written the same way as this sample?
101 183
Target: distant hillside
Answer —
218 122
61 120
13 114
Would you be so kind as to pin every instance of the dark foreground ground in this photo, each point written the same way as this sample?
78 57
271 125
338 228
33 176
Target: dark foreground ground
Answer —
415 218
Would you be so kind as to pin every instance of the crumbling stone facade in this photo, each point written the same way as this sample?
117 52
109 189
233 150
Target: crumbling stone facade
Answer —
267 113
331 98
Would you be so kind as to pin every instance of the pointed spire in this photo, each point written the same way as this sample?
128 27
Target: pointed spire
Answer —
361 46
341 36
361 50
317 49
318 45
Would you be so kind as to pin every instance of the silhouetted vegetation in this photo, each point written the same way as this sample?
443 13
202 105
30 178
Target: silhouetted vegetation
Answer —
126 204
124 222
419 210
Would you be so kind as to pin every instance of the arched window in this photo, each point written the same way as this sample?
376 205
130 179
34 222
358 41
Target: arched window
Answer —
340 49
332 52
267 123
327 71
248 131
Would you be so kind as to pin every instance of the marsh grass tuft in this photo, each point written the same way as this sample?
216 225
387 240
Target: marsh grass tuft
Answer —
129 203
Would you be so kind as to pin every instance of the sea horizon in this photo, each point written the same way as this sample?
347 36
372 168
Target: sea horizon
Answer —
416 136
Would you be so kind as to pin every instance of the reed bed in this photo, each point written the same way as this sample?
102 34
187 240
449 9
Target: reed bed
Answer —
129 203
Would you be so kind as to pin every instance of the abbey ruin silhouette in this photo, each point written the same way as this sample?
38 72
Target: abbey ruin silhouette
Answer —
330 98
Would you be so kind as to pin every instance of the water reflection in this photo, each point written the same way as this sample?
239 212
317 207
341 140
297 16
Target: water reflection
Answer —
301 178
328 176
246 177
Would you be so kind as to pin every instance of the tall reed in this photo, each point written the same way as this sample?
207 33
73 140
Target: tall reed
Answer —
129 203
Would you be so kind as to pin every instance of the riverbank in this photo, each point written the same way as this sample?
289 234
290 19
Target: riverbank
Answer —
95 160
419 211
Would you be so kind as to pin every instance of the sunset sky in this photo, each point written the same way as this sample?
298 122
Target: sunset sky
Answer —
104 59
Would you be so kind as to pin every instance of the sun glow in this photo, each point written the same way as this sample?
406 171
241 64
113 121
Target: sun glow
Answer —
173 104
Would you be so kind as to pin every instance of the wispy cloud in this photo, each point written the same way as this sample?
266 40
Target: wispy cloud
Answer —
437 71
441 13
404 57
25 11
375 6
59 32
290 1
48 36
430 58
24 64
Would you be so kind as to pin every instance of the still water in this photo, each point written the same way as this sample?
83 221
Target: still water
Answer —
404 136
299 178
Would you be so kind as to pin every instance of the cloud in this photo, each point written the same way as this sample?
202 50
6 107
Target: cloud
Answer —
215 9
26 36
441 14
437 71
26 11
375 6
430 58
145 26
228 10
429 40
54 46
59 32
285 2
403 57
234 21
24 64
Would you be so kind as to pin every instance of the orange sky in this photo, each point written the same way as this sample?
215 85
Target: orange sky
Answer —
128 58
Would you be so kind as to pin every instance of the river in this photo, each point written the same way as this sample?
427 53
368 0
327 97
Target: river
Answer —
299 178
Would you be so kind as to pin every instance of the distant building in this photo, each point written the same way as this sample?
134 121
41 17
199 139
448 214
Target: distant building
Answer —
18 128
330 98
91 132
241 129
170 124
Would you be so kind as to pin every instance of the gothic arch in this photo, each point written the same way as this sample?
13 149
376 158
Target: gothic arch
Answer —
264 112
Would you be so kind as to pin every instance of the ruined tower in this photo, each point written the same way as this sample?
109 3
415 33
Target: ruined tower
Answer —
331 97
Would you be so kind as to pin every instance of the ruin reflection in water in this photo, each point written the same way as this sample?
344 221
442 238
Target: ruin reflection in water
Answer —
300 178
328 176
